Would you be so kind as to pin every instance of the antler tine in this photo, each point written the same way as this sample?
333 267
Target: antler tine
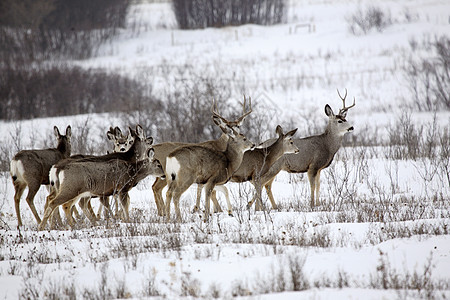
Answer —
244 112
345 96
344 108
215 112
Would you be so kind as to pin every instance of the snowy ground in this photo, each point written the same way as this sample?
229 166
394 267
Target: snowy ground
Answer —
382 230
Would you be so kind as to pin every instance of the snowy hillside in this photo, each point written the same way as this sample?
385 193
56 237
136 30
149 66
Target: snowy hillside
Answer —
382 229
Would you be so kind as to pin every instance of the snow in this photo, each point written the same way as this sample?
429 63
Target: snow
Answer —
405 229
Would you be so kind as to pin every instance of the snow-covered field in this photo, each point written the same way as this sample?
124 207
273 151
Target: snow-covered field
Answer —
381 232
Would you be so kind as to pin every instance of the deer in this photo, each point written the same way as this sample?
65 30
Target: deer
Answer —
102 176
162 150
315 153
202 165
258 161
136 152
121 143
30 168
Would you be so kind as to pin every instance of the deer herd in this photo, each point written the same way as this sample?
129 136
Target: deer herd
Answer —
77 179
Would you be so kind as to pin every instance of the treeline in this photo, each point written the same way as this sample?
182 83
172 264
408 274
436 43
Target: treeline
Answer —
36 34
49 29
29 93
194 14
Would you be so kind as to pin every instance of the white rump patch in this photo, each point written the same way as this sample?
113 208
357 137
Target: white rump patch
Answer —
172 167
61 177
52 176
16 168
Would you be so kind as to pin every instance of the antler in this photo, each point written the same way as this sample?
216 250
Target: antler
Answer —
237 122
344 109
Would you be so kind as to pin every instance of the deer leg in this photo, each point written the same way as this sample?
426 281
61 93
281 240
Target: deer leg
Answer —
198 197
68 208
312 182
268 187
100 209
47 213
217 208
224 190
104 200
169 196
208 191
32 190
176 201
56 219
19 187
88 208
318 188
85 204
125 203
258 191
250 203
157 188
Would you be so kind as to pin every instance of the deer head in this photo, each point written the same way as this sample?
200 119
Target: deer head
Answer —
338 124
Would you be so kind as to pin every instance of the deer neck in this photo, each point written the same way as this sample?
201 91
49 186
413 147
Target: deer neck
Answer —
234 156
64 148
223 140
333 140
272 154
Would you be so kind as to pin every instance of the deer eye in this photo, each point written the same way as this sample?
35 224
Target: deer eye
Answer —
340 121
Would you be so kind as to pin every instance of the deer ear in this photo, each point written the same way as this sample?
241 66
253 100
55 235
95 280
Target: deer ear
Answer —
149 141
117 131
56 131
328 111
110 135
291 133
279 131
68 131
140 132
151 153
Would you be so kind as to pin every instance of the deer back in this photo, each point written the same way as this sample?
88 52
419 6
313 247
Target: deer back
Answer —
258 161
104 178
37 163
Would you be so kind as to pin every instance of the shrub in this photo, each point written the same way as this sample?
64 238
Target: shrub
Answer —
429 77
362 22
192 14
44 29
63 90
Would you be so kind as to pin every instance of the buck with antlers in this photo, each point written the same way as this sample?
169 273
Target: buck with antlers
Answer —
202 165
315 153
102 176
164 149
31 168
258 161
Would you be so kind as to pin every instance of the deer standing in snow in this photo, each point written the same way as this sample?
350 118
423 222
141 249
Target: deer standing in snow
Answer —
102 176
203 165
30 168
315 153
164 149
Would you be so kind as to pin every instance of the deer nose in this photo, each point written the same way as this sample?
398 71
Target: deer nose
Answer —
122 149
351 129
297 151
